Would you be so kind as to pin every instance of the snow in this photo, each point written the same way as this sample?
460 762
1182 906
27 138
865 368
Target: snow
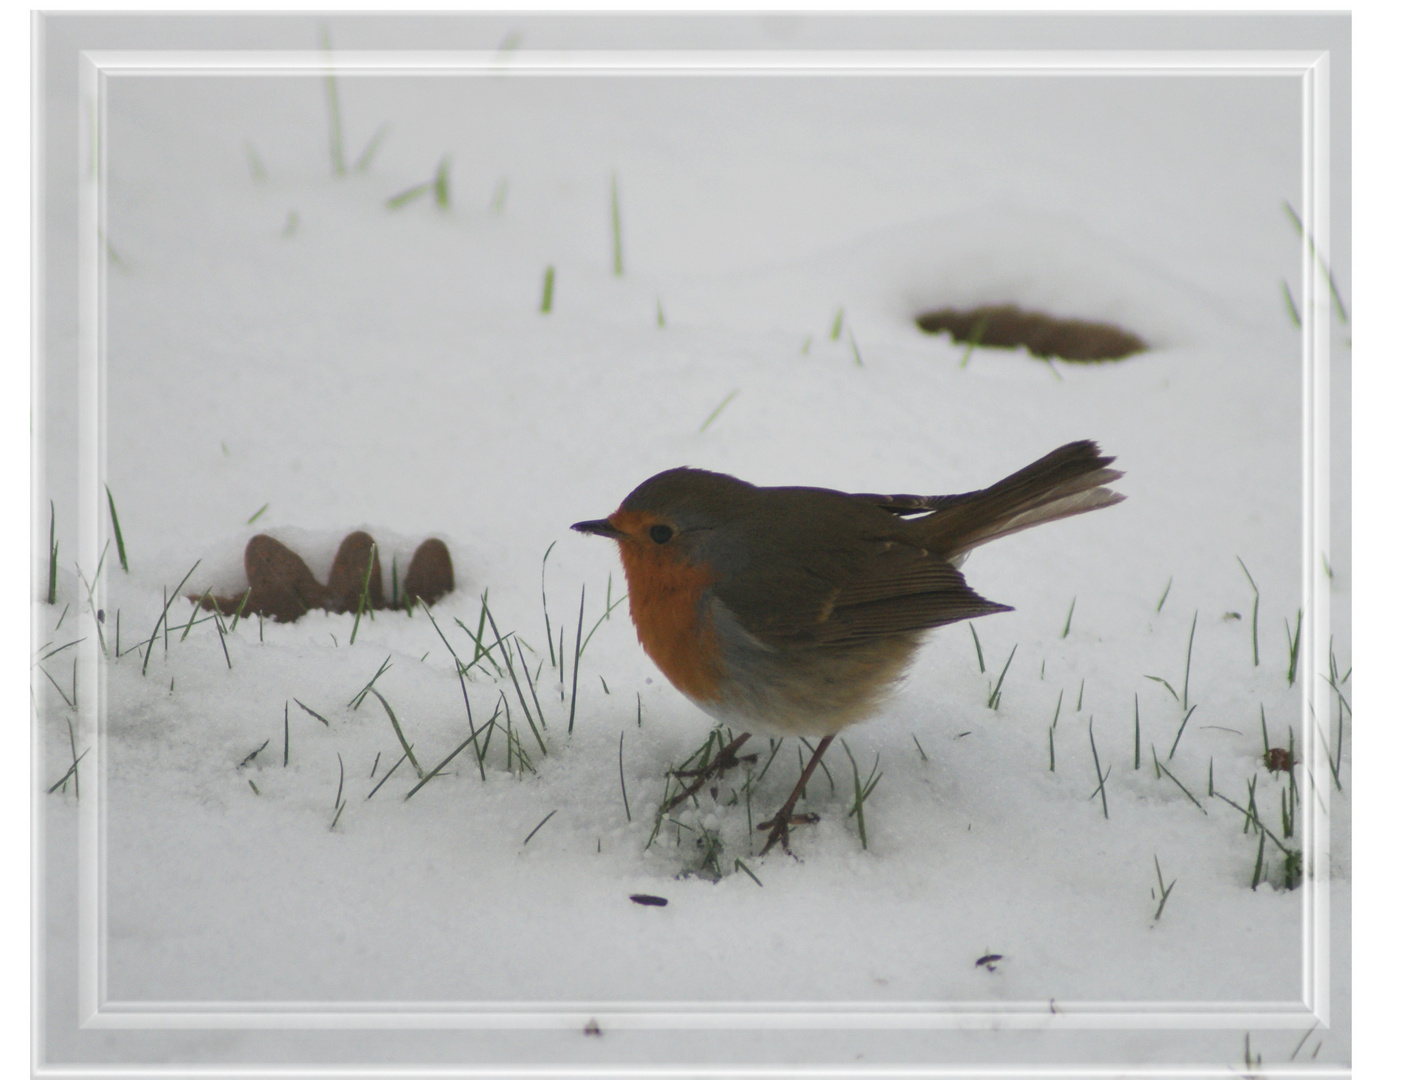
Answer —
390 370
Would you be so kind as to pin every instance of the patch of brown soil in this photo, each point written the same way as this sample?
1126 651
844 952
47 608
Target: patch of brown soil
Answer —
1006 326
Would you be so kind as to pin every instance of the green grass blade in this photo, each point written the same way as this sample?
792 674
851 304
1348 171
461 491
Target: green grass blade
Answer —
718 410
441 184
370 151
546 304
446 761
335 119
53 557
117 529
406 747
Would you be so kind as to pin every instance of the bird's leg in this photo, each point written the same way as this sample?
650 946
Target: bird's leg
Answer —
725 759
778 825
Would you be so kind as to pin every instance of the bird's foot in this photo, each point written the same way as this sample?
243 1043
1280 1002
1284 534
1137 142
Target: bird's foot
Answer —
779 826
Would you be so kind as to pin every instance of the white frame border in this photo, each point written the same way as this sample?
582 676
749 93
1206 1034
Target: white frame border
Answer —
1311 67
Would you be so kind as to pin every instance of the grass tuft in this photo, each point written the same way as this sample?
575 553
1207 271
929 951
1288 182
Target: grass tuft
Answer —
1169 688
162 618
338 803
1165 889
577 656
622 776
1051 728
53 558
406 747
1322 264
861 790
72 771
257 167
441 183
534 694
607 614
541 824
1190 644
546 304
1162 770
1179 731
445 761
1290 306
250 521
975 337
316 716
1254 620
117 529
73 746
1294 637
252 755
1068 623
220 630
335 119
837 330
370 151
357 699
1164 593
482 651
718 410
386 776
401 198
979 655
1137 727
544 598
1101 777
993 701
363 596
739 865
514 679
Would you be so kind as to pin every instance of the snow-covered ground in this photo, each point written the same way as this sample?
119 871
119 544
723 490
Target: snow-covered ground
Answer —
284 346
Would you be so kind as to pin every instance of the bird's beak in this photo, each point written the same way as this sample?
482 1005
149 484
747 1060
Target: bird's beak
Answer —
598 528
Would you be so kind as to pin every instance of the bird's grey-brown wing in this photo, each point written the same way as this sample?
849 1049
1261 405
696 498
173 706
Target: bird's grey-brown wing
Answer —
809 589
906 588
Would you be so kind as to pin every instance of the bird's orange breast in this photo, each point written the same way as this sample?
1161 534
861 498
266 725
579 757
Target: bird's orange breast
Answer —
664 596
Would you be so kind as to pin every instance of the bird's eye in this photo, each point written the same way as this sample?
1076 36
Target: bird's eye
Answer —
660 533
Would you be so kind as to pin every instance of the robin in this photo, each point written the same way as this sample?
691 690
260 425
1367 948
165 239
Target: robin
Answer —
794 610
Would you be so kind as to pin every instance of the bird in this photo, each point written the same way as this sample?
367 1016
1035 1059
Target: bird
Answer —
794 611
